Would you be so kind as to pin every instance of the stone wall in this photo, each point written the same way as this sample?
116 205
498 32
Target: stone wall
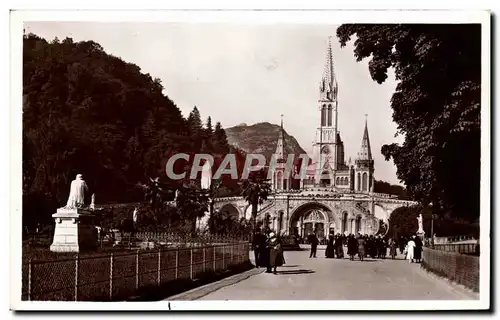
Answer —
460 268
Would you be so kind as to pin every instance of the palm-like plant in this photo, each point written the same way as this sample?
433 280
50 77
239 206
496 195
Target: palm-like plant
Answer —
255 190
191 203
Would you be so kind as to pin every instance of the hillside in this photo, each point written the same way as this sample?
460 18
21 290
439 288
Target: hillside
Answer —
261 138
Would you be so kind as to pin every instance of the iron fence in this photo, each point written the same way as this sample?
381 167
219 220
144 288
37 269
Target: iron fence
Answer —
119 276
463 248
460 268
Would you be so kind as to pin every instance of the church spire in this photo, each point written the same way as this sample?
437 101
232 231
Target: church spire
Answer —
365 152
328 86
280 146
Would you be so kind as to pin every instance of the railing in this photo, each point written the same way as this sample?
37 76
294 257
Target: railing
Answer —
463 248
449 240
460 268
120 276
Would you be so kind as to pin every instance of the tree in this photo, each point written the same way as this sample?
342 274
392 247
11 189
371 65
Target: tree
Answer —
221 146
403 222
85 111
195 130
192 204
255 190
436 106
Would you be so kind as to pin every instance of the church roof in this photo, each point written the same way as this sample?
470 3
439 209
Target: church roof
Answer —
365 153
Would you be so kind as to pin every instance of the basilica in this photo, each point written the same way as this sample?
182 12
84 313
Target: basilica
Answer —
333 196
328 168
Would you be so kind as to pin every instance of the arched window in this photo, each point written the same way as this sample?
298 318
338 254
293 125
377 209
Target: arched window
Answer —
337 181
365 181
329 118
357 225
359 181
346 181
323 115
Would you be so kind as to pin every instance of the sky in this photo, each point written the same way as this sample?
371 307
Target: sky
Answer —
251 73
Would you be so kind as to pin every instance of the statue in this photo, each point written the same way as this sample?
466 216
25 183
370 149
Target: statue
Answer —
176 194
420 224
92 202
206 176
135 214
77 193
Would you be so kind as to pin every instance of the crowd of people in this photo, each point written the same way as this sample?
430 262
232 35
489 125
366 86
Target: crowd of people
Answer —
268 248
376 247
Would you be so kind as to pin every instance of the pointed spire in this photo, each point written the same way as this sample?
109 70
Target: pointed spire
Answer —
328 86
280 146
365 152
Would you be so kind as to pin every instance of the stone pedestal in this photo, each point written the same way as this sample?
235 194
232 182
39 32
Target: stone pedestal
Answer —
74 231
421 235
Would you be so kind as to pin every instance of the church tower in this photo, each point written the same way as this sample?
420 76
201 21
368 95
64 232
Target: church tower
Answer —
279 180
325 151
364 180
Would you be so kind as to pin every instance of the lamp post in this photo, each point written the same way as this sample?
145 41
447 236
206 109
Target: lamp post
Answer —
434 216
287 213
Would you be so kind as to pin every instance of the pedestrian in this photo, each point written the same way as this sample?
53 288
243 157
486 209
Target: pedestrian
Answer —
259 246
392 248
418 249
402 244
410 250
352 246
276 258
330 251
361 248
313 241
339 250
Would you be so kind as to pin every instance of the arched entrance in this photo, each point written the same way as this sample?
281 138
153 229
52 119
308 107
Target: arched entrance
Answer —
231 210
311 218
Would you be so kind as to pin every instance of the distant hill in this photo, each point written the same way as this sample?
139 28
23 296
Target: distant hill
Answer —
261 138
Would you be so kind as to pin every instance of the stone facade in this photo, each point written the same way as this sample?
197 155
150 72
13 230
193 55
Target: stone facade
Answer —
319 210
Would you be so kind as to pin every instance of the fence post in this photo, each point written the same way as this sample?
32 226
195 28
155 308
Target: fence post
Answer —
137 270
76 276
176 263
159 267
223 256
215 249
111 276
29 280
191 264
204 259
232 254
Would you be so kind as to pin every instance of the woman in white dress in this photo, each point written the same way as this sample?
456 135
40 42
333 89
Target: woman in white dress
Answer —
410 250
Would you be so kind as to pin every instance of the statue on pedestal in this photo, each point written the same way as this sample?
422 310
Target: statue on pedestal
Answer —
77 192
420 224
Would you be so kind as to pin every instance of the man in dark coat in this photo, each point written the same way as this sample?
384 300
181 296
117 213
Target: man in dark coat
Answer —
418 249
259 246
313 241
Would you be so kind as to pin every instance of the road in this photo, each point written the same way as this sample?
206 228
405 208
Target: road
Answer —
303 278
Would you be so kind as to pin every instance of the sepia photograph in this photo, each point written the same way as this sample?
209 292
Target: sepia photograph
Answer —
268 158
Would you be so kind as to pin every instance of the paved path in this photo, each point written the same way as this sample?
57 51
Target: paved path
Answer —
341 279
